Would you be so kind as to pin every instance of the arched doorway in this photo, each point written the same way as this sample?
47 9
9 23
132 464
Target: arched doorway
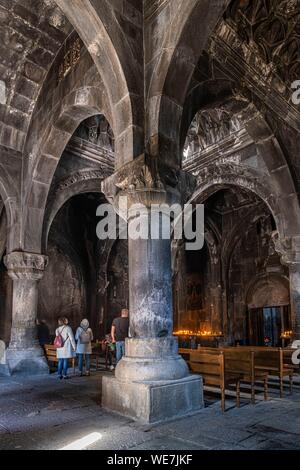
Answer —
269 321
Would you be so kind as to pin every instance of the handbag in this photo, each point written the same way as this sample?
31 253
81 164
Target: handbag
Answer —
59 341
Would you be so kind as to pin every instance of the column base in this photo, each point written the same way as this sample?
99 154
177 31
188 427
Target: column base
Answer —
4 370
26 362
153 402
152 359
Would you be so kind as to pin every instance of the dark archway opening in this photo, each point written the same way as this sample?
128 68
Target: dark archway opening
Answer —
70 284
212 287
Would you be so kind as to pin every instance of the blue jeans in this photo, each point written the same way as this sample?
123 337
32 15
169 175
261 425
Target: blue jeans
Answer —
87 361
63 367
120 350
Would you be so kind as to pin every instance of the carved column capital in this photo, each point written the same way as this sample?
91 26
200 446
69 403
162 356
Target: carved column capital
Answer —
27 266
289 250
147 181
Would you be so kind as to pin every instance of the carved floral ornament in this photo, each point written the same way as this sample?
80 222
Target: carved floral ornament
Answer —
208 128
226 172
148 176
82 176
21 265
288 249
70 59
273 28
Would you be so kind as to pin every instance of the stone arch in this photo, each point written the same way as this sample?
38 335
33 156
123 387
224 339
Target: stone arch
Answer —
77 106
207 94
268 290
268 148
213 92
81 182
97 25
214 177
195 20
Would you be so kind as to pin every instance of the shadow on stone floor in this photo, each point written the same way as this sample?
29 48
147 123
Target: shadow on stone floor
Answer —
45 413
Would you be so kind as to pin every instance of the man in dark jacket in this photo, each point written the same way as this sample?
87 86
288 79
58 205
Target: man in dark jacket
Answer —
119 332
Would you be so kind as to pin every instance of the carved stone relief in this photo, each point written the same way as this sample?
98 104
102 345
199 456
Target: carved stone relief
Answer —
273 29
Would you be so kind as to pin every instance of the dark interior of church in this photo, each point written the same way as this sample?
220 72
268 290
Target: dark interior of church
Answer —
192 103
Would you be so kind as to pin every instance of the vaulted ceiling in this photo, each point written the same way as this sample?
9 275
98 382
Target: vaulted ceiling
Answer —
32 32
253 56
272 28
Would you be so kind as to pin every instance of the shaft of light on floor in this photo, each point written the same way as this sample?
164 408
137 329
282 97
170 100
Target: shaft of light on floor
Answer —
83 442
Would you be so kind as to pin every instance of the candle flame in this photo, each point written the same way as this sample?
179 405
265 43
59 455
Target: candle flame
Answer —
199 333
287 334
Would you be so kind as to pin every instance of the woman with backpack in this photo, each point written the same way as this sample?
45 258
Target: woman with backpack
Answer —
65 346
84 337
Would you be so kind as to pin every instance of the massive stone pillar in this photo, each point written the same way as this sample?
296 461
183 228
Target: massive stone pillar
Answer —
289 249
24 354
152 382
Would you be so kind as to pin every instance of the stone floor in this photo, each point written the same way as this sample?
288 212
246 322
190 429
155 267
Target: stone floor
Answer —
45 413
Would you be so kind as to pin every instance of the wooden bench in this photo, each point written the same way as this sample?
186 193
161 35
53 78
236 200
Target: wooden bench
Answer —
243 363
50 352
186 353
272 361
239 361
211 366
277 361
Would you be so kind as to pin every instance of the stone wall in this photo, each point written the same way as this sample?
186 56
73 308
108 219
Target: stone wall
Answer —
62 291
5 304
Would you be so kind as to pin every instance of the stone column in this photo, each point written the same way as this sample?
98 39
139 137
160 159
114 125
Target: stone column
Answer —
295 298
289 249
150 301
24 354
152 382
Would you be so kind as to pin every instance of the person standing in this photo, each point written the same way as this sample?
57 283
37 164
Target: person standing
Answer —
67 350
119 332
110 349
84 337
43 333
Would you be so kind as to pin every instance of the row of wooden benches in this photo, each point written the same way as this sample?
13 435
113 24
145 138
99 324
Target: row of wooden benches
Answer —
222 367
